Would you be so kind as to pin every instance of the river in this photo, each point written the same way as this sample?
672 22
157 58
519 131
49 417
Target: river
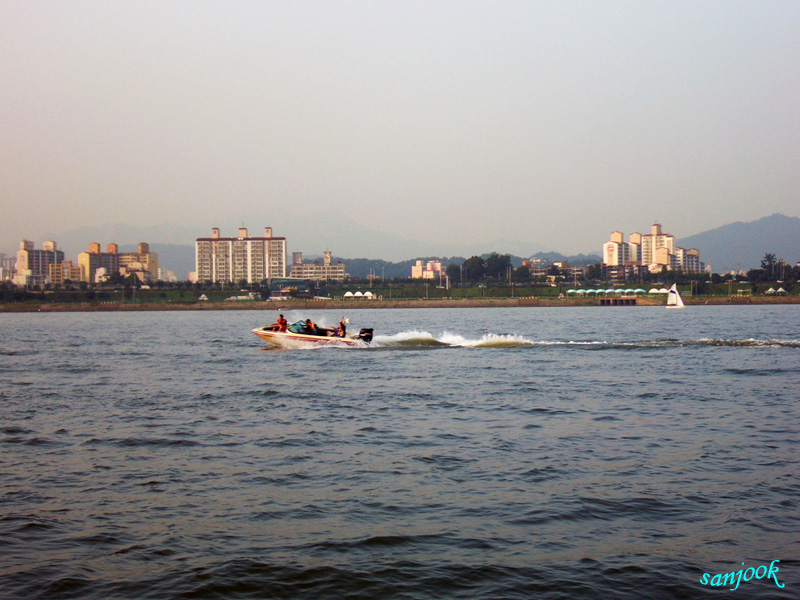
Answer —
469 453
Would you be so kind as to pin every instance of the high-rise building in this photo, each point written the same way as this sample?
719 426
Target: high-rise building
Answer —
64 271
616 251
142 263
93 261
8 266
653 241
33 266
688 260
652 251
327 271
251 259
96 265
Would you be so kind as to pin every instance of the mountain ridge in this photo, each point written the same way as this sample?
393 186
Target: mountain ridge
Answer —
742 245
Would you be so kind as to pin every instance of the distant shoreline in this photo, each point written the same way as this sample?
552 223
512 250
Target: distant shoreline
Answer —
14 307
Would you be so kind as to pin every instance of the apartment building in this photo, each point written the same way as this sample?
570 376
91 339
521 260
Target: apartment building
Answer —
429 270
327 271
252 259
616 251
654 251
96 266
688 260
8 266
654 241
142 263
64 271
33 266
93 262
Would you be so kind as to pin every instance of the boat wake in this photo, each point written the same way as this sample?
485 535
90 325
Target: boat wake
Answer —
423 339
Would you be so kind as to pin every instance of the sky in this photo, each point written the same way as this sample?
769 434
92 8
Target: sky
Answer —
371 128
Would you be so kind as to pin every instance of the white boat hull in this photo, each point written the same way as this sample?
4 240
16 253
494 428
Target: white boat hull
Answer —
287 339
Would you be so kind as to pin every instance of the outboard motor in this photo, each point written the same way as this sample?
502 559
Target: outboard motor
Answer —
365 334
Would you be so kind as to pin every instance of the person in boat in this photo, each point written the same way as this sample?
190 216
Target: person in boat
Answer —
311 327
279 325
341 330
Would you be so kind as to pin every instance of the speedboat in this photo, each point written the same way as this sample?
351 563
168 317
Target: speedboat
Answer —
294 337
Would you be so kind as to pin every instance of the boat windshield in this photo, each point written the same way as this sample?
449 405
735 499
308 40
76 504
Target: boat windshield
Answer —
299 327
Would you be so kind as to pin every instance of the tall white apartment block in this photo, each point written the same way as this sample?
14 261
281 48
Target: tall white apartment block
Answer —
653 241
653 250
251 259
688 260
616 251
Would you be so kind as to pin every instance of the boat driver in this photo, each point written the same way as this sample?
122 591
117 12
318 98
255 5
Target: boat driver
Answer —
280 325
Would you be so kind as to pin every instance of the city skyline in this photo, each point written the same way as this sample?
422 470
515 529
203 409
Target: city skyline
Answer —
544 125
732 246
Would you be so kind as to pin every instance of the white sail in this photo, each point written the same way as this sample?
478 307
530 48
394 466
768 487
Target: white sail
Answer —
674 299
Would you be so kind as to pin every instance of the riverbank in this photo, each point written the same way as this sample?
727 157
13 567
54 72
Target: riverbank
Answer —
358 304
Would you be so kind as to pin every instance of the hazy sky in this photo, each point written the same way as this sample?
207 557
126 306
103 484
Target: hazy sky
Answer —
456 123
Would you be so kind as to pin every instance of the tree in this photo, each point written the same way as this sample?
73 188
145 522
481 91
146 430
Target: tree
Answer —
497 265
770 266
521 274
453 272
473 268
594 272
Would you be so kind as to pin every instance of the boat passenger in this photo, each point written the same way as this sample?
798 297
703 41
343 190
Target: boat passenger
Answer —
341 330
311 327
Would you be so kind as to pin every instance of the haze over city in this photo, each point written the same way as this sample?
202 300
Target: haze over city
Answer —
353 126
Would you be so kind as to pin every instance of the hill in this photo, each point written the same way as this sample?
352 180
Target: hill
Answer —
742 245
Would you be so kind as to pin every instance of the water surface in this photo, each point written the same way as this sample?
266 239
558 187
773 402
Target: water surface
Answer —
472 453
